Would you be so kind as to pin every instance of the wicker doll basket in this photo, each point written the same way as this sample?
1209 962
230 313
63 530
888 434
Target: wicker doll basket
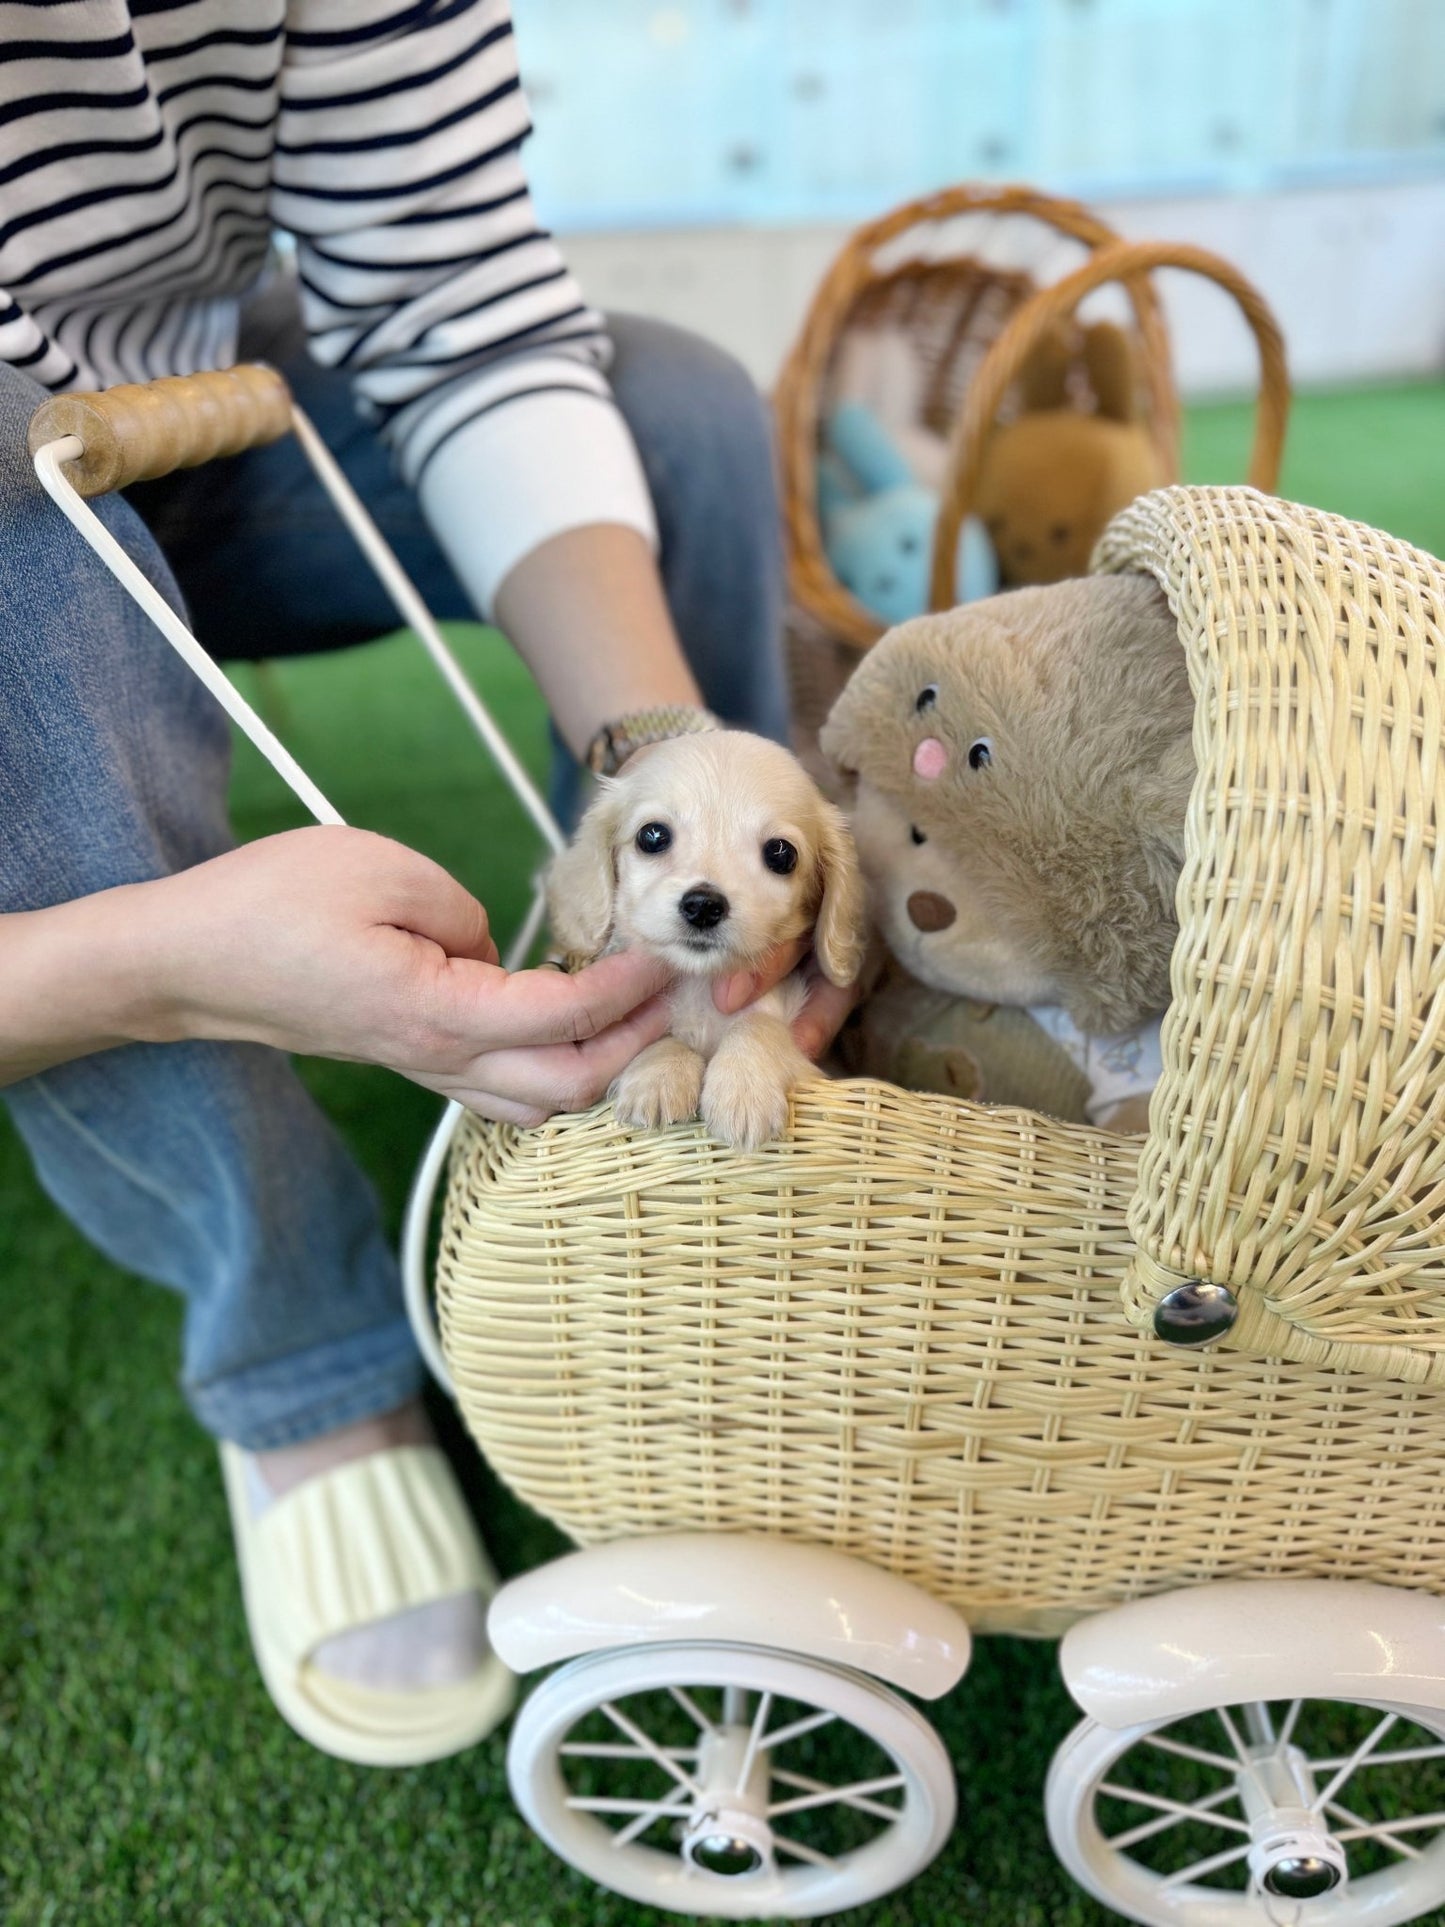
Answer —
908 1330
926 268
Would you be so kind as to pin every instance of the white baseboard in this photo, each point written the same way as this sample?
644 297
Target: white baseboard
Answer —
1355 275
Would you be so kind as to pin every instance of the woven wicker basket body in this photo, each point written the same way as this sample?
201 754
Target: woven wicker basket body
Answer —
900 1334
901 1331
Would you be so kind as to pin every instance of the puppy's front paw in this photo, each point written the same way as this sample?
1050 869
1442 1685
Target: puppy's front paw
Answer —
661 1085
744 1102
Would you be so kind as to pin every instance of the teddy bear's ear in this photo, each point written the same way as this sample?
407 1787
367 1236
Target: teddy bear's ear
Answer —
844 735
1044 377
1109 359
582 879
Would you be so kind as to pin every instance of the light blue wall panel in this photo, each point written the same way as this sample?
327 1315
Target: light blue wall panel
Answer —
696 111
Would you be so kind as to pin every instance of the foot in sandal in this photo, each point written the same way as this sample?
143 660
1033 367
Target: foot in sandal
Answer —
366 1591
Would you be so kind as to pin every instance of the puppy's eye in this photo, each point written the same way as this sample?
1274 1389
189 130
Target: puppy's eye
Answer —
980 753
780 856
926 697
916 833
653 838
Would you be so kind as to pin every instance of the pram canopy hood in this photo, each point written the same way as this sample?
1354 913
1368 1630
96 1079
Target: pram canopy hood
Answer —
1297 1149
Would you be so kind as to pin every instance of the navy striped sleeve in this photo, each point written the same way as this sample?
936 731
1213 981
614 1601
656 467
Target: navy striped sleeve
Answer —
398 168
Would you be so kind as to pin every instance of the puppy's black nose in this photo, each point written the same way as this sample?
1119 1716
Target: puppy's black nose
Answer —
702 906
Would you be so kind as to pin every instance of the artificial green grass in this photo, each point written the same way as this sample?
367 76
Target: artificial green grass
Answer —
143 1775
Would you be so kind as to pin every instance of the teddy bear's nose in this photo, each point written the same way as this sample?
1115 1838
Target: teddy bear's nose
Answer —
927 910
704 907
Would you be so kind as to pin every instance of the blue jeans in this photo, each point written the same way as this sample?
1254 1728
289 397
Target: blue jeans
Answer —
206 1167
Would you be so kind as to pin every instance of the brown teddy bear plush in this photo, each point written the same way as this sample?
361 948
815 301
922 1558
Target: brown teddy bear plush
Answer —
1019 771
1055 475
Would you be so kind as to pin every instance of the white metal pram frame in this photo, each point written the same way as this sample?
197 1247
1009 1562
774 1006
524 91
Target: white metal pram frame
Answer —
731 1629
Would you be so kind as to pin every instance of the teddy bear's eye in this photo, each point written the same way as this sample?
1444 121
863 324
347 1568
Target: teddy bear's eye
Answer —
779 856
916 833
908 543
1060 532
980 753
926 698
653 838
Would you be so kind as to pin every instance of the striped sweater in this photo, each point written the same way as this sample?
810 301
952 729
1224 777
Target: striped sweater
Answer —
149 150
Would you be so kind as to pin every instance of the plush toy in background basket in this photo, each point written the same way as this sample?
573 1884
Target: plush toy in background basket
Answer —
878 520
1053 476
1018 773
959 280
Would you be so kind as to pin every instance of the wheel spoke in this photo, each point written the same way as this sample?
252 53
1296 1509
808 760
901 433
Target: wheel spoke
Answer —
755 1738
845 1796
692 1709
1404 1756
800 1852
1147 1829
615 1750
735 1705
675 1803
1401 1847
650 1747
1175 1807
810 1724
1258 1724
854 1796
1197 1871
1241 1751
1385 1830
1291 1720
1361 1753
1196 1753
606 1803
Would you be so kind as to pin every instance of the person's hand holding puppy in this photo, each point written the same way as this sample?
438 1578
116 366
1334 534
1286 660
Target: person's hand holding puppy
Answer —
716 854
331 942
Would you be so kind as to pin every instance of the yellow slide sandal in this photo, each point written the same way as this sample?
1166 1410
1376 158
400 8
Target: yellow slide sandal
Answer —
348 1547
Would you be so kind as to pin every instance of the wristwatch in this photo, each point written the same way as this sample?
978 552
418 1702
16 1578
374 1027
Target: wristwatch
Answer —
615 741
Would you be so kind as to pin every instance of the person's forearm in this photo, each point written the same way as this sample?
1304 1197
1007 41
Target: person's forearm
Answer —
72 980
587 612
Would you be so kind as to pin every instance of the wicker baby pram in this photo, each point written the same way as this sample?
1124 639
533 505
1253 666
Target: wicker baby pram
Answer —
900 1331
814 1411
965 275
908 1331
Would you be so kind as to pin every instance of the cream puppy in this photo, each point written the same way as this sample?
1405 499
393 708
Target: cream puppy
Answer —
708 850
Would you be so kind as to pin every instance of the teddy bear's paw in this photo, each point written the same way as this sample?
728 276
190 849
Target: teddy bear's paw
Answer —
662 1085
745 1103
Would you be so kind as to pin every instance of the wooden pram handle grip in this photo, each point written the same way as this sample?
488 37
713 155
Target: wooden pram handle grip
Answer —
141 430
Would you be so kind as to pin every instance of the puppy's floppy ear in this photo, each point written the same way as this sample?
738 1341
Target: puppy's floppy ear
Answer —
840 933
582 879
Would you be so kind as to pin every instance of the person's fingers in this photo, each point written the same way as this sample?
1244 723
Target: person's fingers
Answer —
525 1085
822 1016
432 904
533 1007
741 987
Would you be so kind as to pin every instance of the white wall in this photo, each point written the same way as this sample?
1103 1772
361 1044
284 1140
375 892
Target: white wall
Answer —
1355 275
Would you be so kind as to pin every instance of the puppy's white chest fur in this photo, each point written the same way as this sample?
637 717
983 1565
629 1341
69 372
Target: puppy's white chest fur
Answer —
698 1023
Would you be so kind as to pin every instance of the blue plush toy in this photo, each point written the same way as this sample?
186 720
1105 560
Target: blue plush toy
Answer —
878 521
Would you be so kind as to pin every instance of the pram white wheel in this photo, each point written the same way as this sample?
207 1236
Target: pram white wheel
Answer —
731 1781
1281 1814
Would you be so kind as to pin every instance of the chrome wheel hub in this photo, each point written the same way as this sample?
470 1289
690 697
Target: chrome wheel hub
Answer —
1292 1855
727 1834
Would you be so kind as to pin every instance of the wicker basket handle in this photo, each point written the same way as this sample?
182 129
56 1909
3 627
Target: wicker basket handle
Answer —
142 430
798 394
1126 261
